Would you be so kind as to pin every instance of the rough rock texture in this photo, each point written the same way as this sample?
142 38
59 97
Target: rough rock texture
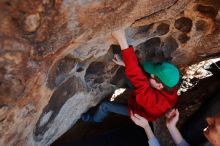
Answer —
55 60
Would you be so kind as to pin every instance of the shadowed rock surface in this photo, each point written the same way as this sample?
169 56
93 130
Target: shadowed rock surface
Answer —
56 61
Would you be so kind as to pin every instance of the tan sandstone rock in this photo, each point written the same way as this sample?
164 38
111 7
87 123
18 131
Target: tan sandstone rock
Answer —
55 56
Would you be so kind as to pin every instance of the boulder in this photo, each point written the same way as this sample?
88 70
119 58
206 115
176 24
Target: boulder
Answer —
56 61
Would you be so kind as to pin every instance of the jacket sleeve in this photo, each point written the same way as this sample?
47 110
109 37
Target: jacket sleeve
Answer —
145 95
153 142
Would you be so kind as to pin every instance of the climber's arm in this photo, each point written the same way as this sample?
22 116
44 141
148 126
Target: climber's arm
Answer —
119 35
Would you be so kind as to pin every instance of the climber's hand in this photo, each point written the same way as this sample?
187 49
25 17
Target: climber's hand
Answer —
117 59
120 36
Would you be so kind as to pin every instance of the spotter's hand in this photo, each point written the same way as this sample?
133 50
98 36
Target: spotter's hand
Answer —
172 118
138 120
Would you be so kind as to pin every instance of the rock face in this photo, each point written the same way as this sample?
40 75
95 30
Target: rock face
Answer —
55 56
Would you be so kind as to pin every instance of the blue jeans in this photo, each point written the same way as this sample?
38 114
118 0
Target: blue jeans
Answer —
109 107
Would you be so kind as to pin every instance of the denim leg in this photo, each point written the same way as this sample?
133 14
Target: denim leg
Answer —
106 107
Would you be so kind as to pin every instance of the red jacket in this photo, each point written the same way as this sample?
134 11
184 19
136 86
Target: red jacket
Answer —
148 102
